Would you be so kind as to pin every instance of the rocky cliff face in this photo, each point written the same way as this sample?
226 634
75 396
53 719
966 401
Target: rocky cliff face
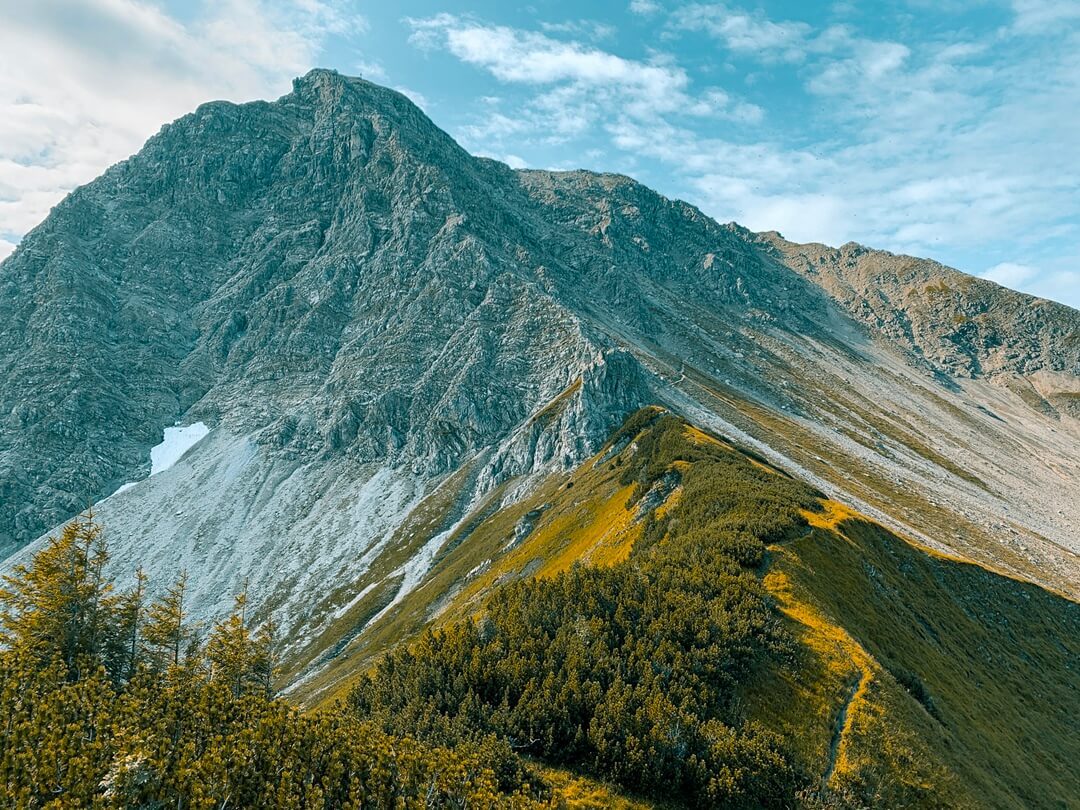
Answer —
383 331
331 271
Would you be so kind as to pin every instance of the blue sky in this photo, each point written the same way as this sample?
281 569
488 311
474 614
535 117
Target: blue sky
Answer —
939 128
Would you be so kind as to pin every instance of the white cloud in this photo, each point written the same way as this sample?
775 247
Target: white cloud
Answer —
746 113
495 127
1009 274
1045 282
958 144
83 85
579 88
1043 16
962 141
6 248
371 70
761 185
1063 285
417 98
645 8
591 29
742 31
513 55
800 217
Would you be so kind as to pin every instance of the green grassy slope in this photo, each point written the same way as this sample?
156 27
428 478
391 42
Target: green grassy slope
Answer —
989 666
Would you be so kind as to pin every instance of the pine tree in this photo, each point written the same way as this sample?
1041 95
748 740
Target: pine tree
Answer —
125 654
264 668
61 605
101 604
166 632
230 650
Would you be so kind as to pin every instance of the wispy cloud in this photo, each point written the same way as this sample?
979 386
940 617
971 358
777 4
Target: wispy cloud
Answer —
514 55
745 31
589 29
1057 285
1040 16
578 87
914 144
954 138
1060 285
646 8
1009 274
417 98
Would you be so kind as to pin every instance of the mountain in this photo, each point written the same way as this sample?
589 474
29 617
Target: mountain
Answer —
338 289
406 373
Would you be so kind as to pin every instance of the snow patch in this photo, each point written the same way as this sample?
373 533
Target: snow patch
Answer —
177 441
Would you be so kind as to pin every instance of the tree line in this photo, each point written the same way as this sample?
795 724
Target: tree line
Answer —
630 672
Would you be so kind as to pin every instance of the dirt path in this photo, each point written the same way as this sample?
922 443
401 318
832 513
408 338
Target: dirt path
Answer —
831 640
838 732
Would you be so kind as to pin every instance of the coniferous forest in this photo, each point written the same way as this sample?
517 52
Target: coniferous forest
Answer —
628 673
109 699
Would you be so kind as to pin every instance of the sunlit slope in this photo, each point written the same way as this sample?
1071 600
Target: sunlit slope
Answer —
583 517
944 660
910 679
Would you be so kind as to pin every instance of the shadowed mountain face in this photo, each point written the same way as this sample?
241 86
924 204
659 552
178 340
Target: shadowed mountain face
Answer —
381 330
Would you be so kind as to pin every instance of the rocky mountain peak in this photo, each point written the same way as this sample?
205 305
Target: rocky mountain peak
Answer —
335 287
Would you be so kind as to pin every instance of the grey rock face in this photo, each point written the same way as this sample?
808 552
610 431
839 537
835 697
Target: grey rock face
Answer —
351 302
325 269
333 271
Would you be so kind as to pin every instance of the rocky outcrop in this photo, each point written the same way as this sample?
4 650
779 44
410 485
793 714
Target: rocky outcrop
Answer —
956 323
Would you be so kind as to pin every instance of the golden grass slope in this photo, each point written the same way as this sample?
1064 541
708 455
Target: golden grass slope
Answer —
979 670
579 518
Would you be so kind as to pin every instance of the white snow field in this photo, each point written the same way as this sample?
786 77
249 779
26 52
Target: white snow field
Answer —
177 441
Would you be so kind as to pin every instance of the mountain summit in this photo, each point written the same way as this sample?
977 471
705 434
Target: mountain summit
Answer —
382 331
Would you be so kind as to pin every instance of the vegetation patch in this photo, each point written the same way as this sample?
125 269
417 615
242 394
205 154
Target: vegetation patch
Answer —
112 700
627 671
